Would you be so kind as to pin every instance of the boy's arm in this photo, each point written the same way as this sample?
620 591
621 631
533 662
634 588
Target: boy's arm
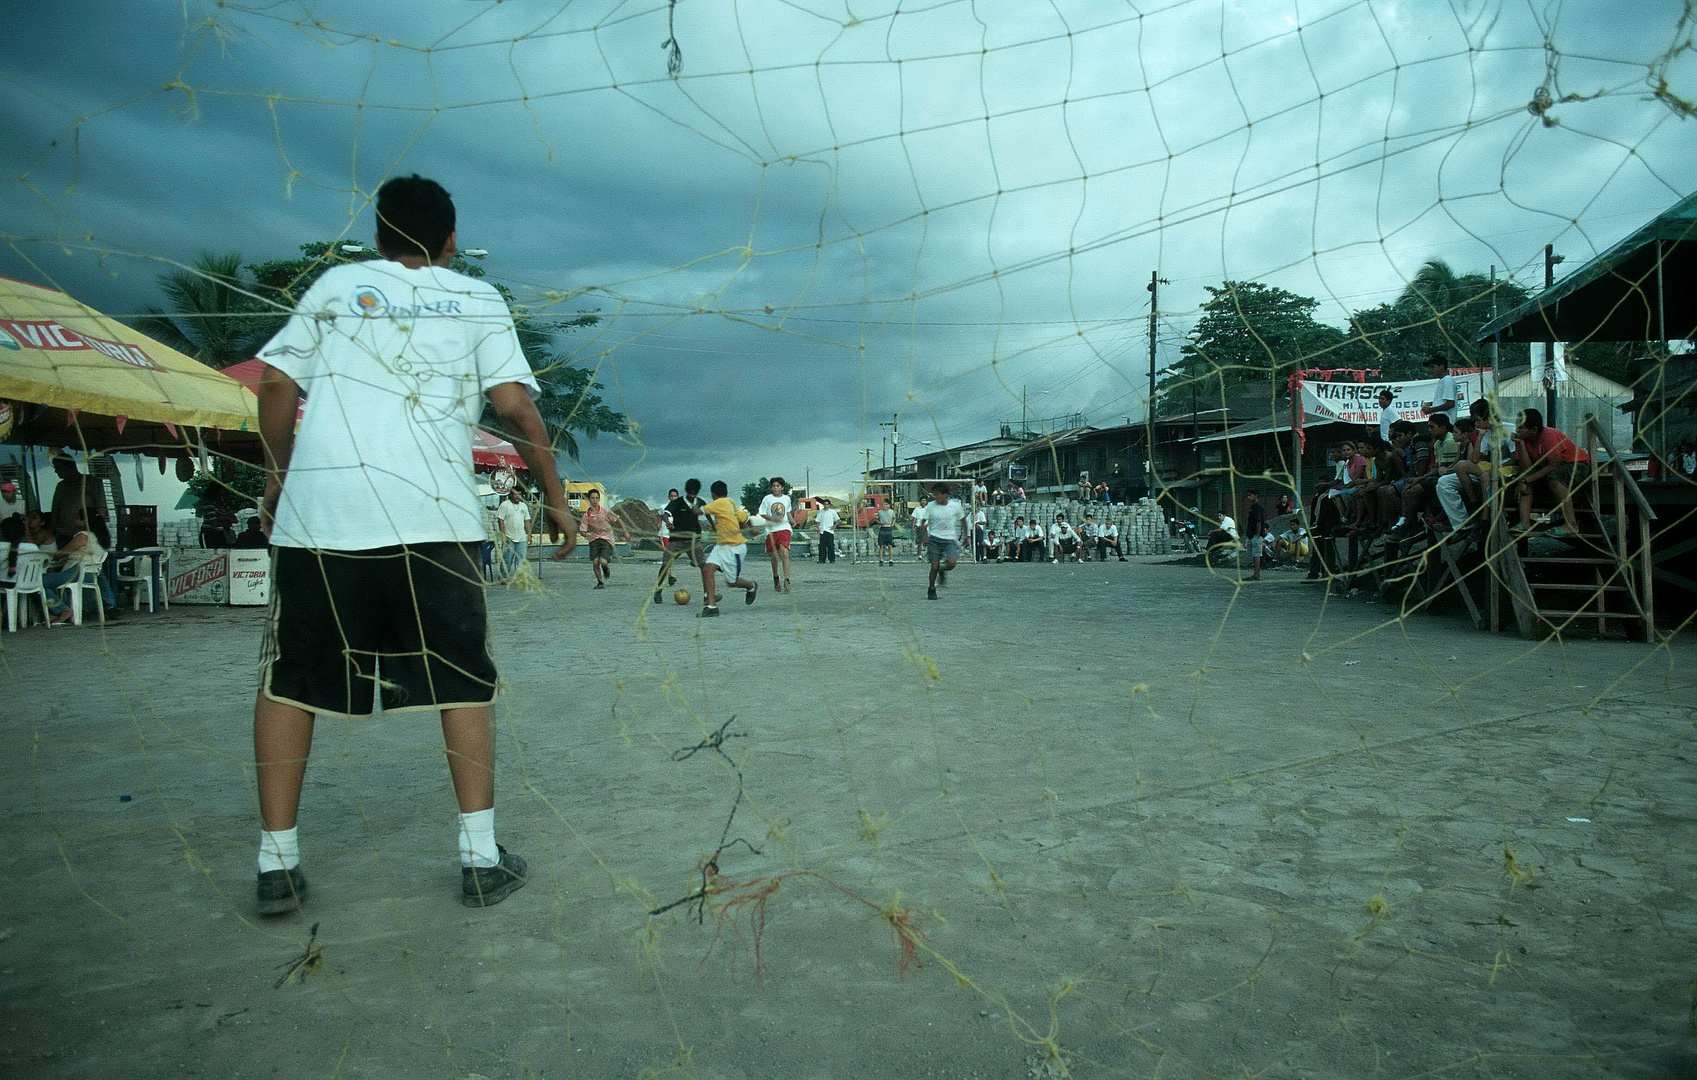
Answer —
279 405
518 412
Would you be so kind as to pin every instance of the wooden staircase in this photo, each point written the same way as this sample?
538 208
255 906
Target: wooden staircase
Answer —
1596 579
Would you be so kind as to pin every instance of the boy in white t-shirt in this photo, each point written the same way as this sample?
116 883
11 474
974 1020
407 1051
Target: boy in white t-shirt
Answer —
373 510
942 521
827 522
775 510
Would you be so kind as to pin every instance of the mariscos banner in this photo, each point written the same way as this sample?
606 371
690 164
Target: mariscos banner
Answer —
1358 402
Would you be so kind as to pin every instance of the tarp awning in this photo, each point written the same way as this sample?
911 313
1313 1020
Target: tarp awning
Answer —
1640 289
57 352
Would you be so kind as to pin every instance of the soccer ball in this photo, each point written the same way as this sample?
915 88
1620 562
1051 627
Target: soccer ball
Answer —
681 596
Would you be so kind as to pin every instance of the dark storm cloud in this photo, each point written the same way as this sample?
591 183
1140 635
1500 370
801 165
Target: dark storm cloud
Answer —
915 256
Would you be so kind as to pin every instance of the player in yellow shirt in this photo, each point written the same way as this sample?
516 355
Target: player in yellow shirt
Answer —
728 553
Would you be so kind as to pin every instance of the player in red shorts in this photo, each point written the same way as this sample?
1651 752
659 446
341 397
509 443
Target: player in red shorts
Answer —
775 509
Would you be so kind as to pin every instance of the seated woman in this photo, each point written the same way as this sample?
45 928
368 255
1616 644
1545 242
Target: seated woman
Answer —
37 532
82 550
12 536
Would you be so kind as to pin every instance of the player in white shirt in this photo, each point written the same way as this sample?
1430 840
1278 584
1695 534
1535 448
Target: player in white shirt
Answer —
1063 541
512 521
775 512
943 521
373 512
1109 537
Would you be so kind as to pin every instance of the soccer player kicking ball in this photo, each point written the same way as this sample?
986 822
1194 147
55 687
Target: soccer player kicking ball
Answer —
374 514
942 521
729 552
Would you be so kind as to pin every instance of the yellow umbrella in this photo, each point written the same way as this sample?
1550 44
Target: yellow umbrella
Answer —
64 355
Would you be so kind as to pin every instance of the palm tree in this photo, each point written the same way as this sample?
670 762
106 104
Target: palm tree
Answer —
214 316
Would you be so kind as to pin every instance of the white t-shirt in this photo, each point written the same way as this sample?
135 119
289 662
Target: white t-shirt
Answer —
979 517
779 505
10 508
1388 416
943 520
1445 392
1228 525
827 519
1112 532
514 520
394 364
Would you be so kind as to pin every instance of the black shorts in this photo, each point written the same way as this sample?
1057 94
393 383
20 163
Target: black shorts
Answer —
343 621
601 549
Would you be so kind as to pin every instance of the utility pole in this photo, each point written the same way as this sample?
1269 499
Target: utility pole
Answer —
895 443
1155 283
1550 260
1493 319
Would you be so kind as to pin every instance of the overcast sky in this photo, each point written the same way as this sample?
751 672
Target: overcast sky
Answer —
837 213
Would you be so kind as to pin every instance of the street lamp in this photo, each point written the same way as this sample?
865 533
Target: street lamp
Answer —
475 253
352 248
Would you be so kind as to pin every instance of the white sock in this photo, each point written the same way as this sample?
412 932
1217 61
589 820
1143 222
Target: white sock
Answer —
279 850
1400 522
477 839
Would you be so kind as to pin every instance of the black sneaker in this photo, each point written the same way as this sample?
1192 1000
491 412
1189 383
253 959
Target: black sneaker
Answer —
670 581
281 891
486 886
599 585
656 599
748 597
931 593
942 577
708 613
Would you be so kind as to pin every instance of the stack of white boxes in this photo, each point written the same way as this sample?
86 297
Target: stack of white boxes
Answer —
1142 525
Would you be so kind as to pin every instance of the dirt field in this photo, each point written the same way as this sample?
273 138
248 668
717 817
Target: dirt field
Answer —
1101 820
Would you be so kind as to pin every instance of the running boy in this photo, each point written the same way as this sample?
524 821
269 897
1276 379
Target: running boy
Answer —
775 512
684 516
941 520
375 517
728 553
597 527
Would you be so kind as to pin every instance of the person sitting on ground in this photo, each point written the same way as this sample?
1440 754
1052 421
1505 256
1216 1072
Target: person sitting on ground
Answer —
1224 533
1549 462
81 551
1293 541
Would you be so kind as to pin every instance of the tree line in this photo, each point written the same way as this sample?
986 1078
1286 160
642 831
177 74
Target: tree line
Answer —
221 311
1252 334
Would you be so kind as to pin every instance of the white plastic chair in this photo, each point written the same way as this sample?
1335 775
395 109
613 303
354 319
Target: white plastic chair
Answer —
88 579
27 584
137 570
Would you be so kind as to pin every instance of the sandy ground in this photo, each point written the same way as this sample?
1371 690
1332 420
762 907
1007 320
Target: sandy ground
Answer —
1127 819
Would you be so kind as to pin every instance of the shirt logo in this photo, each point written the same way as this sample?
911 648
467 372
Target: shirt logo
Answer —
369 302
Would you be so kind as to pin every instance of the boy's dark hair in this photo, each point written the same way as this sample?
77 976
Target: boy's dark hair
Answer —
1465 424
1253 494
1530 418
779 481
673 492
1387 393
1437 358
941 488
1402 425
719 489
692 486
1440 419
1480 409
414 217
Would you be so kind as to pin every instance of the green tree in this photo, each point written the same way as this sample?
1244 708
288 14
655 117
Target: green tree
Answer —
752 494
1439 311
215 315
228 484
1249 333
570 402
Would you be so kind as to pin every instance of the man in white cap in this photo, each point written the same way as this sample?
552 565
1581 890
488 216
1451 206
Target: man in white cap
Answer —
10 504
